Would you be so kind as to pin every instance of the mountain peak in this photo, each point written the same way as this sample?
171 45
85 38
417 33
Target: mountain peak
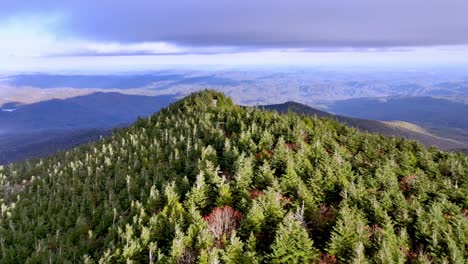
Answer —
205 99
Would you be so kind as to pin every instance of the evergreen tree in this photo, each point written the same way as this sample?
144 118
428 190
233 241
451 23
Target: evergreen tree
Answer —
292 243
350 235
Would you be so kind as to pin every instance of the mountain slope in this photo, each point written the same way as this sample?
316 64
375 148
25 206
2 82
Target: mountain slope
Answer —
41 129
98 110
209 182
429 111
386 128
20 147
444 117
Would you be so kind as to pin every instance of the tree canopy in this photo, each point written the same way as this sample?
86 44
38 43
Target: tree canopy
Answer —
206 181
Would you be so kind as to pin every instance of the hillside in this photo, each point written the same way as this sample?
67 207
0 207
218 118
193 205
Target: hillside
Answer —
98 110
386 128
423 110
41 129
206 181
20 147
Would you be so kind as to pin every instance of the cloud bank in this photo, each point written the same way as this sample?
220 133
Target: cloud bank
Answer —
266 23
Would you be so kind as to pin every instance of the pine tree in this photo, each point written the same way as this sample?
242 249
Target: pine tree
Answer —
292 243
350 235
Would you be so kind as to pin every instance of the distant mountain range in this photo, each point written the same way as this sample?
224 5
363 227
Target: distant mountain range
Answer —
165 80
90 81
253 86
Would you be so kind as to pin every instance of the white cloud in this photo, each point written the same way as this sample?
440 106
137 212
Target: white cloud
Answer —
28 36
119 48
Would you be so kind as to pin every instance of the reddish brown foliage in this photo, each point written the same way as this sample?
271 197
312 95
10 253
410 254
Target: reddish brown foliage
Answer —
291 146
222 221
321 222
412 256
326 259
375 229
407 181
255 193
286 200
327 214
262 155
189 256
374 232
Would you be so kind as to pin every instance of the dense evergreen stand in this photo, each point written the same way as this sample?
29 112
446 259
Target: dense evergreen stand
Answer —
204 181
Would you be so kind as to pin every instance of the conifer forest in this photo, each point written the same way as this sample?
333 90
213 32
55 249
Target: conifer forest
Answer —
207 181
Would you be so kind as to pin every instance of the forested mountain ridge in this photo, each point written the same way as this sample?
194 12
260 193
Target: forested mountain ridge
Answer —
389 128
210 182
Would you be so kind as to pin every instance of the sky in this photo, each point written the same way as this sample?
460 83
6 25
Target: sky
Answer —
49 35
